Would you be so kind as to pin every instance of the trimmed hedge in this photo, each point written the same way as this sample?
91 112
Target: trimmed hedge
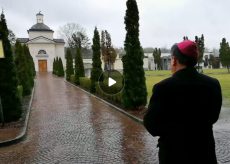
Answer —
72 78
116 98
85 83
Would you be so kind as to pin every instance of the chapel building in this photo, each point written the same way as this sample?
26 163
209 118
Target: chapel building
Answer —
43 47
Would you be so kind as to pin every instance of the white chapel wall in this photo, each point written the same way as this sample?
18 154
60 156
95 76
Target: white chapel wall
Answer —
50 50
34 34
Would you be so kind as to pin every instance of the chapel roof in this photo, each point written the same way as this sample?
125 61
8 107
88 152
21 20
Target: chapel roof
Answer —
25 40
39 13
40 27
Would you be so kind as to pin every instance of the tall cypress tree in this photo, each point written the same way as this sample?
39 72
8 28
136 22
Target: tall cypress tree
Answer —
22 66
30 65
8 81
157 58
103 49
61 72
54 66
69 65
79 67
225 53
201 48
134 93
108 52
96 70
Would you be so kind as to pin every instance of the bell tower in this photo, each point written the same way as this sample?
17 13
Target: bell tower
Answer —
39 17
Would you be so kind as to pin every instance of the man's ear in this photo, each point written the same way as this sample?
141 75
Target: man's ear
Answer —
174 61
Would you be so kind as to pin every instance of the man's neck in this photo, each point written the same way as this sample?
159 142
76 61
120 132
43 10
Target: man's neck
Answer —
179 67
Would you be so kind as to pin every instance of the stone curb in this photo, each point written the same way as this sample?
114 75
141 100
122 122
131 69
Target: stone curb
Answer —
21 136
106 102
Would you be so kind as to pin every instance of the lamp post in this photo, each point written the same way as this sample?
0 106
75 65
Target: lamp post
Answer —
1 57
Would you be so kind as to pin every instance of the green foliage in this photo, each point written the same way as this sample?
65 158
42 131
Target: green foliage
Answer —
54 62
72 78
79 67
225 54
214 62
56 66
20 92
8 81
85 83
24 73
96 70
69 65
157 58
117 98
134 93
103 46
30 65
60 68
113 56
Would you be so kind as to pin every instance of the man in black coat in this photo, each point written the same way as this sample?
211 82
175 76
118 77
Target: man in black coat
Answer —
183 109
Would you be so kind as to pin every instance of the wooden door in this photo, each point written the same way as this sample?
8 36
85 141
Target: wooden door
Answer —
42 65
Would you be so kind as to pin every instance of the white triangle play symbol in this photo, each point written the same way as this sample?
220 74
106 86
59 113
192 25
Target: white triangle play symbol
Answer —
111 82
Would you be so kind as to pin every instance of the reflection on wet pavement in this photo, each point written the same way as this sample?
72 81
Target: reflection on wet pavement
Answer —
69 126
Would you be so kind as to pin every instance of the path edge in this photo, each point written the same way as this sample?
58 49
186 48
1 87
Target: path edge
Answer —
23 133
108 103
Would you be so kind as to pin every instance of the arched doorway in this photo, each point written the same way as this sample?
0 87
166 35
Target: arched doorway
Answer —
42 63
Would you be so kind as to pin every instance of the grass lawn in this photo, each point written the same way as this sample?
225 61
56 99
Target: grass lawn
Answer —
153 77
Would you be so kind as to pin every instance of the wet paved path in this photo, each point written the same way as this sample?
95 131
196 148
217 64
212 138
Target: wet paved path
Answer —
68 126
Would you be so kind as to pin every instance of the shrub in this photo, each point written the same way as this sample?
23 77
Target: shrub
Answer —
69 65
85 83
61 72
23 68
72 78
20 92
117 98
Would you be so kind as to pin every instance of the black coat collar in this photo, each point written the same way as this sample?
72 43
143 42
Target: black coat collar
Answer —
186 72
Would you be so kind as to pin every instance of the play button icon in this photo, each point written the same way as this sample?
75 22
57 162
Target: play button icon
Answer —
111 82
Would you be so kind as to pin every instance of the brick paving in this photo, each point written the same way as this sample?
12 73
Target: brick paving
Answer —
222 136
69 126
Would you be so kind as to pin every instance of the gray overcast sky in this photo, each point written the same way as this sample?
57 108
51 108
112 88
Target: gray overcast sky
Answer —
162 22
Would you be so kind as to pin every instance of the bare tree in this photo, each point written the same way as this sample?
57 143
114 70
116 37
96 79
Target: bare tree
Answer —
103 47
80 40
108 52
11 37
74 35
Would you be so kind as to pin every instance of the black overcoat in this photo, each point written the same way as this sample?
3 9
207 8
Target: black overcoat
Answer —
181 112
